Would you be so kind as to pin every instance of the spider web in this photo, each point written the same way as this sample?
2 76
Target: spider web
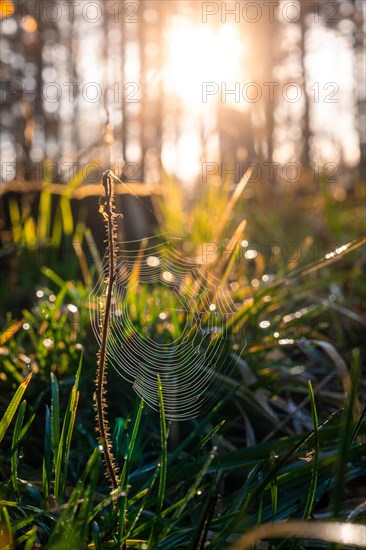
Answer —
184 332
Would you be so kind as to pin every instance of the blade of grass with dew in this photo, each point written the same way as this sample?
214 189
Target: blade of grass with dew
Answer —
63 451
55 416
218 541
165 513
249 456
72 526
252 495
143 505
66 533
22 434
13 406
124 474
314 472
62 456
192 491
341 470
15 445
132 441
198 539
163 470
47 454
273 484
201 425
260 504
214 430
300 272
358 425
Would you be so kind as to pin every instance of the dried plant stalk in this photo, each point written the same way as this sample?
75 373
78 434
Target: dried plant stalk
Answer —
107 209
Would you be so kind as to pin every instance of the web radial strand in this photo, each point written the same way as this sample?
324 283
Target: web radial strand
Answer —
163 323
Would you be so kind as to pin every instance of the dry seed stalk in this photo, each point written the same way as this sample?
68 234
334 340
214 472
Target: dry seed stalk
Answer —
107 209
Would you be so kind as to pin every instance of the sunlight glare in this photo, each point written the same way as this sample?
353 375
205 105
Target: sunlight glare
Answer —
198 54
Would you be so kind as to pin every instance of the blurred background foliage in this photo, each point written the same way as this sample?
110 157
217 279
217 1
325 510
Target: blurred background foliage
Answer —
275 187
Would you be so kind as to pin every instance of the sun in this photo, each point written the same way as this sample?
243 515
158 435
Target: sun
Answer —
197 54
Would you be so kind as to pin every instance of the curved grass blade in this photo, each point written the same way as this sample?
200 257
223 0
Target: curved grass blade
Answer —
327 531
13 405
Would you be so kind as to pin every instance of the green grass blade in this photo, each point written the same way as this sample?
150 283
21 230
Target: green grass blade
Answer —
5 529
66 215
15 445
55 416
268 478
346 429
15 220
56 237
96 536
164 450
147 492
72 526
135 429
50 274
131 443
260 504
163 470
214 430
274 487
44 214
63 451
13 405
198 541
314 472
124 476
192 491
31 539
202 424
358 425
47 455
